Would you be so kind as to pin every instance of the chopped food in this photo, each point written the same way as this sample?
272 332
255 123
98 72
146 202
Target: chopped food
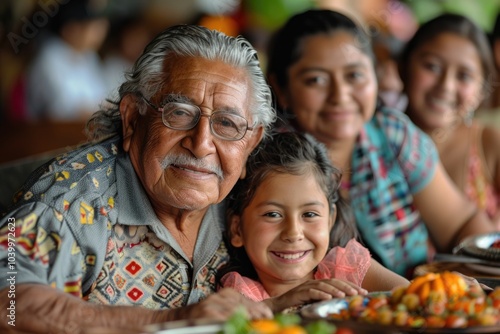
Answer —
281 324
442 300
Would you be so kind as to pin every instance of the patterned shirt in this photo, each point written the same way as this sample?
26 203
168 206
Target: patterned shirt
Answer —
392 161
83 224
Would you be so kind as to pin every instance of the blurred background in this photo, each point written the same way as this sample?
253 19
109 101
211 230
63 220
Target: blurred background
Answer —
61 59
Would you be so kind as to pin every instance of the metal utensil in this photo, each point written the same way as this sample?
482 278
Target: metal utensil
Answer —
460 258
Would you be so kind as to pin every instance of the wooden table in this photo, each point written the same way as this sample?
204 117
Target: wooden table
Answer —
20 140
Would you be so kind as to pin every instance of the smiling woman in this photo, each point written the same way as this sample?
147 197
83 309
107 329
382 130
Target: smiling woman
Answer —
448 70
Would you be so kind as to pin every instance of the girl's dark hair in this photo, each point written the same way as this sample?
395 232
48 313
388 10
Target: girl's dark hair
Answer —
285 46
287 153
455 24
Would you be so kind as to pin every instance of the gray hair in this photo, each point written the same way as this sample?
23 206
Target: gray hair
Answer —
147 75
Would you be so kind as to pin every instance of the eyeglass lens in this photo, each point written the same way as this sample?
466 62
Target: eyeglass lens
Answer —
181 116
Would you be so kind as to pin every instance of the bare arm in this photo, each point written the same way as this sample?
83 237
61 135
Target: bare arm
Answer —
491 141
379 278
42 309
448 214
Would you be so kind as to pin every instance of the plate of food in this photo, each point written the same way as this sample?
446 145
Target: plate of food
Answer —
484 246
185 327
432 303
290 323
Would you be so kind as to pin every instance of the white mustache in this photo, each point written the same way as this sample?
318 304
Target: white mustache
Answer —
184 160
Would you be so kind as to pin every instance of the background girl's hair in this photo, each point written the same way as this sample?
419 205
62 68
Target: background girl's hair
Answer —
288 153
285 46
455 24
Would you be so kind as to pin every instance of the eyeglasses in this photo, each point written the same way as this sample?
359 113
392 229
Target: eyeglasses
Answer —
184 116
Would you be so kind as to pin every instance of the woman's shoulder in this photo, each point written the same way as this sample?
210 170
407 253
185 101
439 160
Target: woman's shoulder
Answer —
395 126
490 138
387 117
491 134
399 138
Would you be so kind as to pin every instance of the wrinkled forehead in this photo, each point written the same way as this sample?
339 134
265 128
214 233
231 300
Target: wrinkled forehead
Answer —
209 83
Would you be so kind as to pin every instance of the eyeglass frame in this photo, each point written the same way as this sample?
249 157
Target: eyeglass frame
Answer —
212 131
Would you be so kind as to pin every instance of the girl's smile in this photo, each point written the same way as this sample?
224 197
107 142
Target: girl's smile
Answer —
285 229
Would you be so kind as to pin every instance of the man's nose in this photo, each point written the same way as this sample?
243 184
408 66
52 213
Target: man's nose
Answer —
200 140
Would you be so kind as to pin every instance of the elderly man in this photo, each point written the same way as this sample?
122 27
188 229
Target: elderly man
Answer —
130 219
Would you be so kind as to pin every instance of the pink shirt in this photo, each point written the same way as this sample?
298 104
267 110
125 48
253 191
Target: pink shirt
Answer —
350 263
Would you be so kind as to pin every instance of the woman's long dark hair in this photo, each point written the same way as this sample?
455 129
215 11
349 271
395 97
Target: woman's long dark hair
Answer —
287 153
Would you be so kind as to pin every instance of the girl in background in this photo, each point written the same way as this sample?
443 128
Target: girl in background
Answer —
448 69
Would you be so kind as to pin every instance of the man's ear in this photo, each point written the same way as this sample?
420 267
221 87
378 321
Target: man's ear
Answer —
129 113
255 139
235 230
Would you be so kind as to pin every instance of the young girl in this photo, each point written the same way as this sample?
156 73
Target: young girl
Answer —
447 69
287 235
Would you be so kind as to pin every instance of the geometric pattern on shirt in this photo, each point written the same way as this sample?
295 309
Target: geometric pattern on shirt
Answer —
51 203
65 214
153 274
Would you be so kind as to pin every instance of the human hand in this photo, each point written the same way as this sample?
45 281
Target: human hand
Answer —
222 305
314 290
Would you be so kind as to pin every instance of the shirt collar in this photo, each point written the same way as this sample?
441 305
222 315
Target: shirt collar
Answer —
134 208
133 204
